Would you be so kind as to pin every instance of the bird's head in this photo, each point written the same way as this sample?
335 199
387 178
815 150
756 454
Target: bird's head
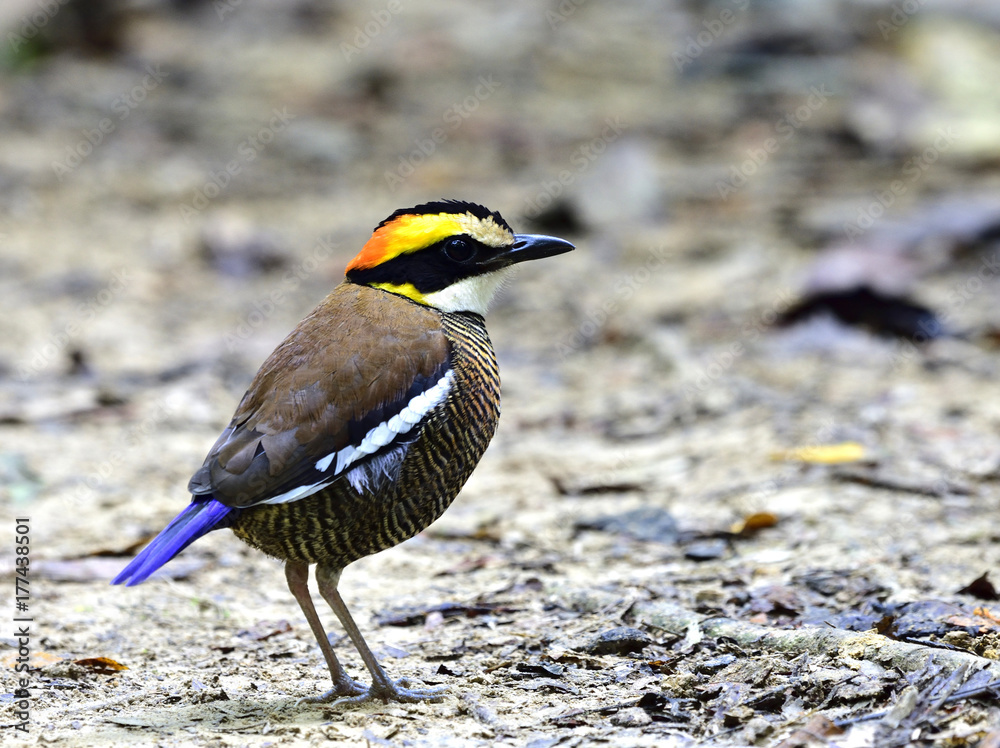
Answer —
449 255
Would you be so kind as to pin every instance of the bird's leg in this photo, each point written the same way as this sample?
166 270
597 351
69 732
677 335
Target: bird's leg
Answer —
297 574
382 688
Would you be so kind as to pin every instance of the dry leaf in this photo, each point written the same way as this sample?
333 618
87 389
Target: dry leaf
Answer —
101 665
824 454
981 587
987 614
753 523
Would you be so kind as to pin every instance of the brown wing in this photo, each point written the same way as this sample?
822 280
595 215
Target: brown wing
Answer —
357 360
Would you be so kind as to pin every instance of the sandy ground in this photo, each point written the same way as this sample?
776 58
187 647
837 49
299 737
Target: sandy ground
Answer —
705 158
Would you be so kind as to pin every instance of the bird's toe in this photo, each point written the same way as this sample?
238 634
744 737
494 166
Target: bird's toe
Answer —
399 692
347 689
402 692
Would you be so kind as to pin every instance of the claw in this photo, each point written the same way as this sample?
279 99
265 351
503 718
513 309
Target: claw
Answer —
346 689
395 692
399 692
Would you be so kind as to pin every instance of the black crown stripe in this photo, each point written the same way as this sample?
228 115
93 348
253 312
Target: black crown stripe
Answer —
448 206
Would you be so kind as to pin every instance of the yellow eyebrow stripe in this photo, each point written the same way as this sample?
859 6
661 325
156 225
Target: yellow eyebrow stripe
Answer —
411 233
405 289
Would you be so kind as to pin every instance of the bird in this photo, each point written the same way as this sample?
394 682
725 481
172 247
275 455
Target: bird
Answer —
363 425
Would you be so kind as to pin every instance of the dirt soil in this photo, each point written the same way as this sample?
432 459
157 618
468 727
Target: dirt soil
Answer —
646 555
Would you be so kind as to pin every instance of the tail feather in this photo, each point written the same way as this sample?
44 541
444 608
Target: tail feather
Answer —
199 518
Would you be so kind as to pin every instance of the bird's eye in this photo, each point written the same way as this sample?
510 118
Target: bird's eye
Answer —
459 250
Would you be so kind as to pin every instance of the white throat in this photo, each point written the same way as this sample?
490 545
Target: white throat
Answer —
470 294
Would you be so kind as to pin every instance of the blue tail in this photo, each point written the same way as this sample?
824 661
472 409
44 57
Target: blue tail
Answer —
200 517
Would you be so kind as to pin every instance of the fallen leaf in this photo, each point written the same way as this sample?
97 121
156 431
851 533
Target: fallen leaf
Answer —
753 523
981 587
823 454
534 670
590 486
417 615
886 626
986 613
545 685
101 665
885 314
817 728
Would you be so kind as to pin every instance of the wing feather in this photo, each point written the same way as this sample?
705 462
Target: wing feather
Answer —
334 385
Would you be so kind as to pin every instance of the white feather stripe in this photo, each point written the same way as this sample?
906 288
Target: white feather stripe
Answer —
409 416
378 437
344 458
297 493
399 424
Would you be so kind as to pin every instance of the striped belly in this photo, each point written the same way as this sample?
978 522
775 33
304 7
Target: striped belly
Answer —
340 524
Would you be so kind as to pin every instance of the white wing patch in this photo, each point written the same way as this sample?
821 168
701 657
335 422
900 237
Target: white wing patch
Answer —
399 424
299 492
384 466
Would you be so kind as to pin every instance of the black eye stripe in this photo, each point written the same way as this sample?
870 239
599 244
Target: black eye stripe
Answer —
431 269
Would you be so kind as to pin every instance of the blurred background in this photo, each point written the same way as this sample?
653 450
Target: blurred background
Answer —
786 217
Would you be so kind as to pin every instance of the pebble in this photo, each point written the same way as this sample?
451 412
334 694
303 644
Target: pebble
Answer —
632 717
618 641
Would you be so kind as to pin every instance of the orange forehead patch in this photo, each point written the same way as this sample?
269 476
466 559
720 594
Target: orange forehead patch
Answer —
411 233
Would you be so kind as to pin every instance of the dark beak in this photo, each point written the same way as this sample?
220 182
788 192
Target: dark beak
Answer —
535 247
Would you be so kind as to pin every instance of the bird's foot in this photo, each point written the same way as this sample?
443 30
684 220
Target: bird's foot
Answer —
398 691
348 688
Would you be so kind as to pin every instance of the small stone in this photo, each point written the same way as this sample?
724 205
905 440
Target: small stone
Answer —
632 717
737 715
618 641
755 729
716 664
706 550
